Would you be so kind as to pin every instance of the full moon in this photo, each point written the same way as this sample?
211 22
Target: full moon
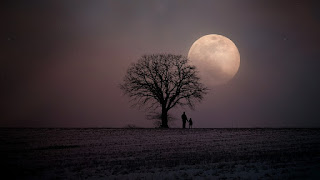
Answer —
216 57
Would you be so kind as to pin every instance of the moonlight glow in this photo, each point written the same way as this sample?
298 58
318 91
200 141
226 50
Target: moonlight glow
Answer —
216 57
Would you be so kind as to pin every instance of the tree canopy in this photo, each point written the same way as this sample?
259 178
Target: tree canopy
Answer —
165 81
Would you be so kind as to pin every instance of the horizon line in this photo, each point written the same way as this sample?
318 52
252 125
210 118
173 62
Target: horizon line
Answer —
283 127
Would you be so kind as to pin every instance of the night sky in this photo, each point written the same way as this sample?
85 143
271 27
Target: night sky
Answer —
61 62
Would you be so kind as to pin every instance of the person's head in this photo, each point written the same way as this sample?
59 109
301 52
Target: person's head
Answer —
184 112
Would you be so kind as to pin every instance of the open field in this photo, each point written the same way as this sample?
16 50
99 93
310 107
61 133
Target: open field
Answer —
159 154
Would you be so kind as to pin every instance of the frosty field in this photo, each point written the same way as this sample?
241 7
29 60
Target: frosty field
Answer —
160 154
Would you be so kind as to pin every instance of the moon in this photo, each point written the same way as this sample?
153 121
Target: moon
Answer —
216 57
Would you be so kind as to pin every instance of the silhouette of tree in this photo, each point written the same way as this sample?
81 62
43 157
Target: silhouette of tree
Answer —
163 81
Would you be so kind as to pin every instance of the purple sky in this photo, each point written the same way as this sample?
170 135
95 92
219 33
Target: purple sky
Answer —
62 61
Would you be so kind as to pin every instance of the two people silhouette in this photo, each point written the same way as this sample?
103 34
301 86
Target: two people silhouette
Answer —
185 120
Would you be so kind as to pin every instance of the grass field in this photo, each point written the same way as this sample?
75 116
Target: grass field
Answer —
161 154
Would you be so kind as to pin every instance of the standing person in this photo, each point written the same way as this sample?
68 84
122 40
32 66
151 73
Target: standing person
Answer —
184 119
190 123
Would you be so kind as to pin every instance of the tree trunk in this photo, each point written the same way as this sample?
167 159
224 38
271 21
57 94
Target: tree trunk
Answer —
164 118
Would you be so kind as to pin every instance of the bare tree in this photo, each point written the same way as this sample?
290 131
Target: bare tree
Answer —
163 81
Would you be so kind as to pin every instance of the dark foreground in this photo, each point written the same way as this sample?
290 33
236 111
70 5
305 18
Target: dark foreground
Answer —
159 154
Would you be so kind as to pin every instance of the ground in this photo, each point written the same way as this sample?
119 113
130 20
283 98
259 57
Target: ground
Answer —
161 153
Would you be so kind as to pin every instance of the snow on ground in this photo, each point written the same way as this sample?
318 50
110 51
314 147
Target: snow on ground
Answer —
161 154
